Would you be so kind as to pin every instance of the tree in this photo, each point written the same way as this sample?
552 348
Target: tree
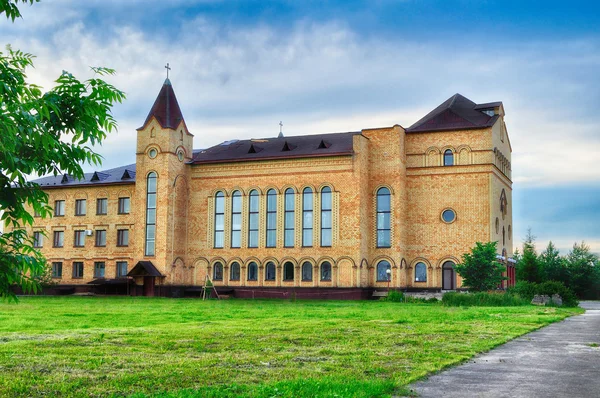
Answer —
42 133
527 268
552 265
480 269
584 272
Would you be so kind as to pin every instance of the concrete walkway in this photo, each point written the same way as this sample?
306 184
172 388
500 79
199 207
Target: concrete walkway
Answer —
559 360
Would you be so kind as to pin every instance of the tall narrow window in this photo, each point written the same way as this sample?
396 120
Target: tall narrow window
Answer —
219 220
59 239
326 217
122 237
99 268
307 217
80 207
271 218
236 219
270 271
150 214
124 205
289 221
383 217
253 220
218 272
38 239
101 206
448 158
252 271
100 237
79 240
307 271
420 272
59 208
57 270
288 271
77 269
234 271
382 271
325 271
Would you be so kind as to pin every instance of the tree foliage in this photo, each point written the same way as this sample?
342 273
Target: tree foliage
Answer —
552 265
42 133
584 271
480 269
527 268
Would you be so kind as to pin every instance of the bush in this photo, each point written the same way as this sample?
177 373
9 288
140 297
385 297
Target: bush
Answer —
482 299
526 290
395 296
553 287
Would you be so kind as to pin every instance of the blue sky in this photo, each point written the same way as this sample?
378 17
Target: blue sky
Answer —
239 67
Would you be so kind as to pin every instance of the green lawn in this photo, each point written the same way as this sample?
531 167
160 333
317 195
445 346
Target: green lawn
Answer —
109 346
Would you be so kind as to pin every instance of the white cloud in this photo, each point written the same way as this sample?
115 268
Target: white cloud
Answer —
237 82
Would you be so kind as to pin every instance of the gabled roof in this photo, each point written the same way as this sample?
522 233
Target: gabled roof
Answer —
333 144
144 268
112 176
456 113
166 108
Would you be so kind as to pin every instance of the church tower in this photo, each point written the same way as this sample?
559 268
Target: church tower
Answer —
164 147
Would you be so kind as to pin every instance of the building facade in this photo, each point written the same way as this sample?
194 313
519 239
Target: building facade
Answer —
337 213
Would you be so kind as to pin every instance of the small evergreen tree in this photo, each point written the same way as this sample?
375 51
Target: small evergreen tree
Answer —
552 265
584 273
480 270
528 266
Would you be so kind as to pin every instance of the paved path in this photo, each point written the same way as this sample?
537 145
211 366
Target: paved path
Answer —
559 360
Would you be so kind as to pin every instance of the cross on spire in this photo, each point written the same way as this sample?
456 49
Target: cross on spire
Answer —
280 126
168 68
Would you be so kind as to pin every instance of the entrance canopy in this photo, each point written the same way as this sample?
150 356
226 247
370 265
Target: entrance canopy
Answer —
144 268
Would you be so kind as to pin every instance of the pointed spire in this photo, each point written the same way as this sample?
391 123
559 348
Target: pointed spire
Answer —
166 108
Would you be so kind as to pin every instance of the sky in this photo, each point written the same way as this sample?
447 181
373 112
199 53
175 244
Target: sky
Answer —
241 67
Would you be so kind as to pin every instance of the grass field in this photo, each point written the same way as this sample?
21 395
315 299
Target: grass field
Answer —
149 347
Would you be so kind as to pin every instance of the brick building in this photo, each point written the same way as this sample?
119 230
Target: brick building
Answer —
329 215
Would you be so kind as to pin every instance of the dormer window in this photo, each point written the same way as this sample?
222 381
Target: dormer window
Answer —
489 112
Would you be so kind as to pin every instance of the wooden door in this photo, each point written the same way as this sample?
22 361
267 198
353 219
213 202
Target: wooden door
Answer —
148 286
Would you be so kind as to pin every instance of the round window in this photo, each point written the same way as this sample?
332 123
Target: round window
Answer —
180 156
448 215
152 153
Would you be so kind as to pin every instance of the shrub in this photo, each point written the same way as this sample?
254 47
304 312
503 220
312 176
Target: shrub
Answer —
482 299
553 287
395 296
526 290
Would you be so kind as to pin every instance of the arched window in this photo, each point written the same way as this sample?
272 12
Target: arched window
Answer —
307 271
420 272
509 232
234 273
218 272
382 271
307 217
383 217
252 271
503 236
288 271
326 217
325 271
503 204
219 220
270 271
151 188
253 220
289 221
236 219
448 158
271 218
